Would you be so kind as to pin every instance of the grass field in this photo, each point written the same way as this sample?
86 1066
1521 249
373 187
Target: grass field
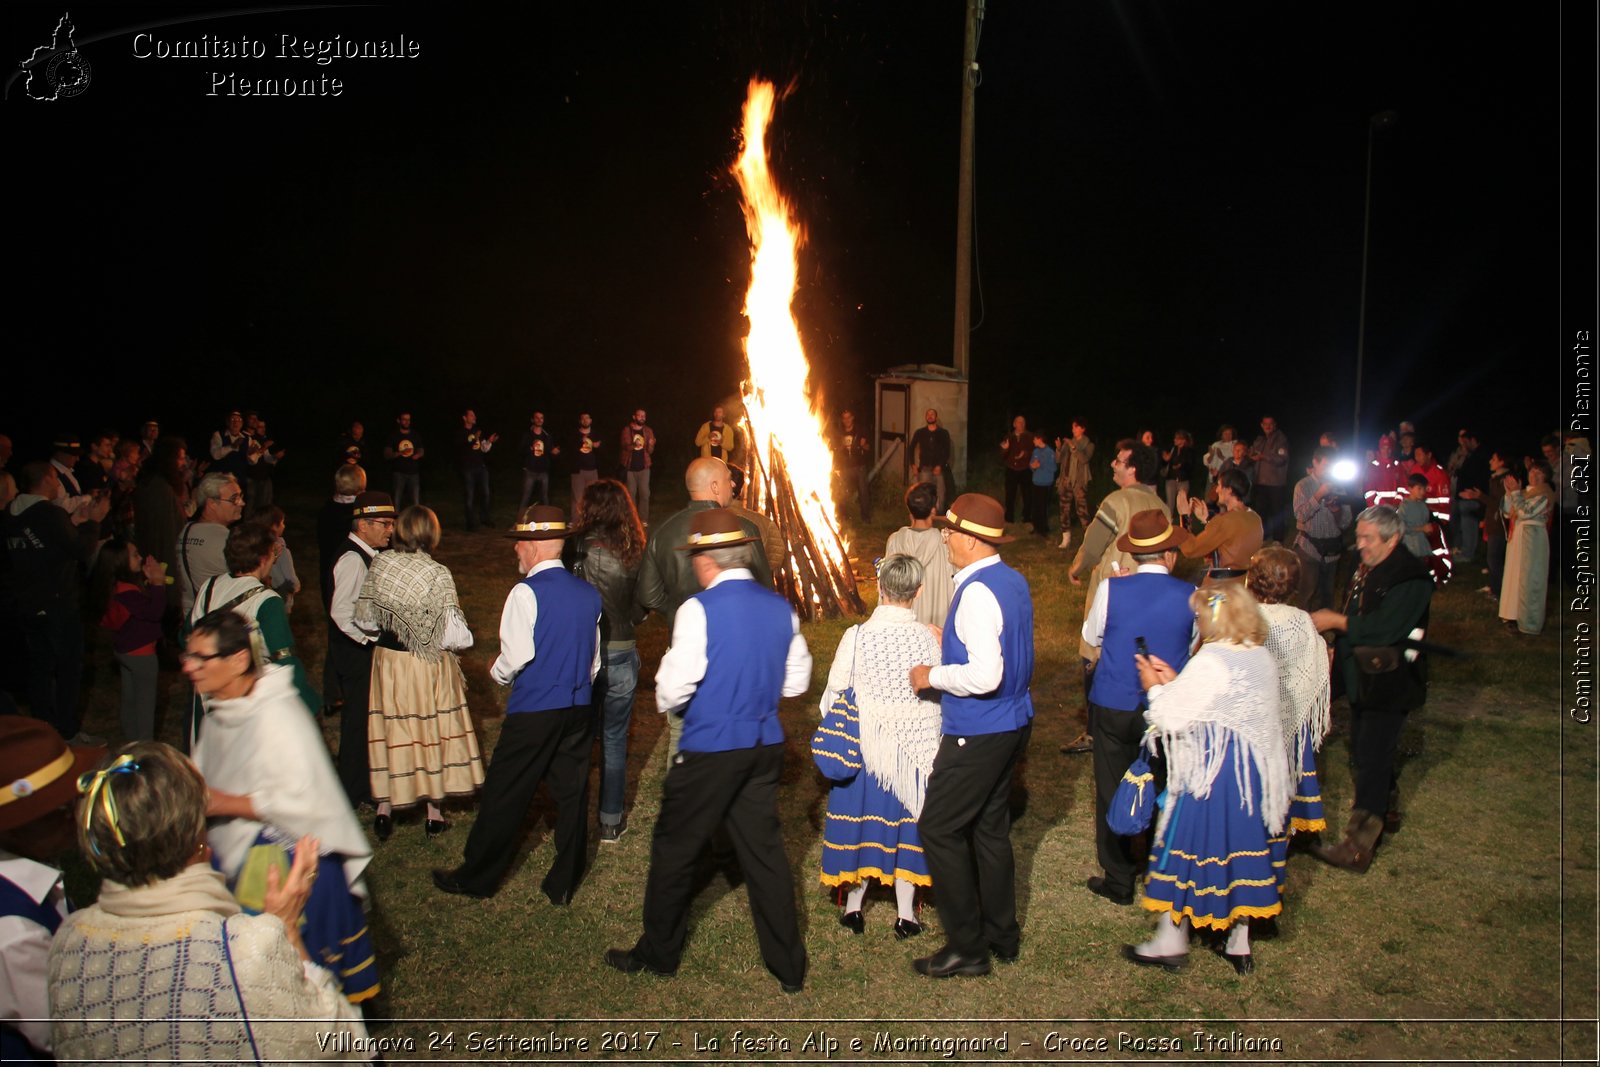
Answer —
1472 937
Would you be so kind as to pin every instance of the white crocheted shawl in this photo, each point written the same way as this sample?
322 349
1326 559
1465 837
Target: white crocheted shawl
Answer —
1303 697
899 729
413 597
1227 691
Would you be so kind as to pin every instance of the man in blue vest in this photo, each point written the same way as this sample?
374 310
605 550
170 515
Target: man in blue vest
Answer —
40 776
549 655
988 715
736 650
1148 605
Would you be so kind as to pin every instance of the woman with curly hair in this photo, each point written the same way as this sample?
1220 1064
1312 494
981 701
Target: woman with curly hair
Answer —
608 546
1303 695
420 741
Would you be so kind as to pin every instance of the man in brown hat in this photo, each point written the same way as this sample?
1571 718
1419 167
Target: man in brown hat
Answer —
736 650
1148 606
549 656
38 784
372 518
987 655
1134 469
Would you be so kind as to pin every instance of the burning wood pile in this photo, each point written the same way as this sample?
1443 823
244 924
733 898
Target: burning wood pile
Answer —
792 467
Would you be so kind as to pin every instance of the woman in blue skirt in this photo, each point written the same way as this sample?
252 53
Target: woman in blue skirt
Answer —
1303 698
1228 783
871 830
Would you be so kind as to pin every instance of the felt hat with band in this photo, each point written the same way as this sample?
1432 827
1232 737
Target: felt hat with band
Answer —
978 515
372 505
38 771
540 522
66 442
715 528
1151 533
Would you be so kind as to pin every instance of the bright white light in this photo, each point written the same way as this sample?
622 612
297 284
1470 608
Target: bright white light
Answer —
1344 470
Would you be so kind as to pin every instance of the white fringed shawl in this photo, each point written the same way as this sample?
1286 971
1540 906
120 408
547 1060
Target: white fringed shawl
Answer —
899 730
1303 696
1227 691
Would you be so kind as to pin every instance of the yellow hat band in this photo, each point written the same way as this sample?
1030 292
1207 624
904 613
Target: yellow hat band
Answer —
1146 542
23 788
969 526
716 538
539 527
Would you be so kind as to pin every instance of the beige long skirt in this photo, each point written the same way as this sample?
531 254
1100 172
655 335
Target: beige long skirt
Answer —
420 740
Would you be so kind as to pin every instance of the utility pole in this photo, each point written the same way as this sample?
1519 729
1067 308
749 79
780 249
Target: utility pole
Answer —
969 85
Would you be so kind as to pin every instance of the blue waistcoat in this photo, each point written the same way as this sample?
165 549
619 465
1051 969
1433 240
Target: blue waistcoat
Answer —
748 631
1148 605
1009 707
563 644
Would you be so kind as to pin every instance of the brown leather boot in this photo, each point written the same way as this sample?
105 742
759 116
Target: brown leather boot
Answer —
1361 836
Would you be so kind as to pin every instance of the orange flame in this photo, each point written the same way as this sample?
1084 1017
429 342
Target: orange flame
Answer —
777 394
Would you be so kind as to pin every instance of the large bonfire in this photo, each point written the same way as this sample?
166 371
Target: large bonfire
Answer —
792 465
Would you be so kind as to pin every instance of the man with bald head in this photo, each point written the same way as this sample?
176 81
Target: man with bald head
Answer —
666 576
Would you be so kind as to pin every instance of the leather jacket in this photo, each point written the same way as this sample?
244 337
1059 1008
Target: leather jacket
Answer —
598 565
666 579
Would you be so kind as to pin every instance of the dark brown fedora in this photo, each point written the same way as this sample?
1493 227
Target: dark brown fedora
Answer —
1151 532
978 516
715 528
540 522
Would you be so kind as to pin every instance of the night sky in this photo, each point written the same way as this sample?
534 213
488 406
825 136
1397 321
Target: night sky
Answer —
536 212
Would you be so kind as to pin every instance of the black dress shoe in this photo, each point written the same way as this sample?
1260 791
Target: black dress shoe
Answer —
791 987
1166 963
1243 964
383 826
1097 885
948 961
625 961
904 928
1003 954
853 921
435 827
451 883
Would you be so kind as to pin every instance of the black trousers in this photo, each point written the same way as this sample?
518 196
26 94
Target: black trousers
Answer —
350 666
1017 485
1040 497
1374 739
534 746
966 836
55 667
737 790
1116 745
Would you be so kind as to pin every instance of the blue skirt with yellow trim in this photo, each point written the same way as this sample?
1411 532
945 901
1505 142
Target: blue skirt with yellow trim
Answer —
870 834
1214 865
333 927
1305 811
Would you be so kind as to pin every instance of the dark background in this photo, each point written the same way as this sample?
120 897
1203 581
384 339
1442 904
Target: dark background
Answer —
537 213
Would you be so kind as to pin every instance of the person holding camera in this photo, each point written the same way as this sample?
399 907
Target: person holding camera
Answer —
1321 517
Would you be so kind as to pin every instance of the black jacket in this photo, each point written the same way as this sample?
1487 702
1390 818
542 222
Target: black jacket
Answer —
602 568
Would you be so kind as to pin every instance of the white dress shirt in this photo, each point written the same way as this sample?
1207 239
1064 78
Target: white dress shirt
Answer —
683 667
978 623
516 630
25 950
349 574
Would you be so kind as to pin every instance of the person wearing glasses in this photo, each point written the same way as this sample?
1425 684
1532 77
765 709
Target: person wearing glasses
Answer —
372 516
201 541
